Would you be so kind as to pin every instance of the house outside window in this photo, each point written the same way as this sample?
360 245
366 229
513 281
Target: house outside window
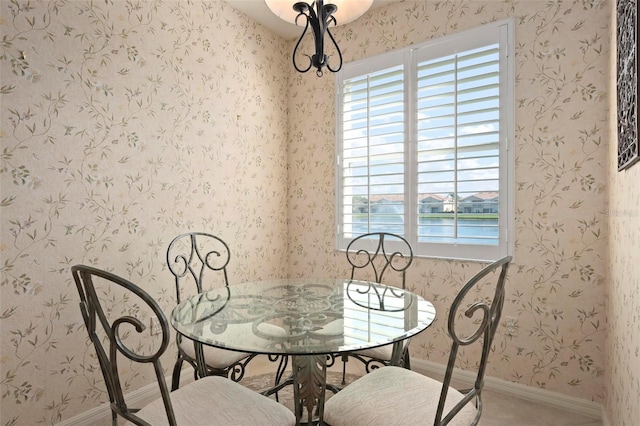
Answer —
424 145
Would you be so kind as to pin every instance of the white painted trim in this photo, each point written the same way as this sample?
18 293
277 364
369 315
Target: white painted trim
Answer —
137 398
528 393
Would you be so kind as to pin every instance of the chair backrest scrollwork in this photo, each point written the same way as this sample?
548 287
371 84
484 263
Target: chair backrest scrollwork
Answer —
483 328
117 329
378 253
191 255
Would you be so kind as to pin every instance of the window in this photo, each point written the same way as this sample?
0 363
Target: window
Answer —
424 150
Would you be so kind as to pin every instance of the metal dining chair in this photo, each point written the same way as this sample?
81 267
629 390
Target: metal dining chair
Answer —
191 257
374 256
120 326
396 396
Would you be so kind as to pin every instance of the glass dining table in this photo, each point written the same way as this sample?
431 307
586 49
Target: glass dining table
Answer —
311 320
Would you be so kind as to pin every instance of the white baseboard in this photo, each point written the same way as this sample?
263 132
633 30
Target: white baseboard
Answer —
137 398
541 396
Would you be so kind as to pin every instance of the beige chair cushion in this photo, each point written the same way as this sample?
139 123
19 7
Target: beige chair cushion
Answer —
336 327
393 396
217 401
222 358
214 357
381 352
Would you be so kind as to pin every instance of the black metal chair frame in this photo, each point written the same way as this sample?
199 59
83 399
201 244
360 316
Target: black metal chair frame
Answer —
195 263
380 260
93 315
484 327
486 330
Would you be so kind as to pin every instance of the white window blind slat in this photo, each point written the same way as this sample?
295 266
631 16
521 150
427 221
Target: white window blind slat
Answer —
433 169
469 84
376 116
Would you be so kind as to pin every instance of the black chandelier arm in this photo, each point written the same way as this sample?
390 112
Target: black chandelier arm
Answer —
295 49
319 22
333 40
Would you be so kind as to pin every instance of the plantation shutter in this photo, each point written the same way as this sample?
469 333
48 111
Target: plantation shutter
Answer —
458 145
423 150
373 158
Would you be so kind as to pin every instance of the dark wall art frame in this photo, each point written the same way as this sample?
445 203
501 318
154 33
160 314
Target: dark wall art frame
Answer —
627 83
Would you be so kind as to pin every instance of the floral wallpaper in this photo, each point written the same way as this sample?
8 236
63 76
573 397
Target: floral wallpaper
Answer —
623 340
557 283
125 123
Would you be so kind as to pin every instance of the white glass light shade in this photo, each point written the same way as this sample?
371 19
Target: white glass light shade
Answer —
348 10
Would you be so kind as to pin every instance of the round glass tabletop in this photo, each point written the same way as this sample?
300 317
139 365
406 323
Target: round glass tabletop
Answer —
302 316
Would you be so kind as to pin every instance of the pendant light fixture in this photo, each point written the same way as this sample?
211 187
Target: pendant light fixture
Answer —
318 15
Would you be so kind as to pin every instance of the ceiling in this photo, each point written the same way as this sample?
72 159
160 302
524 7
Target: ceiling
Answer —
259 12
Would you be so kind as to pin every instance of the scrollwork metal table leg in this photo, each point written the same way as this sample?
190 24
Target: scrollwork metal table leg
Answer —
309 386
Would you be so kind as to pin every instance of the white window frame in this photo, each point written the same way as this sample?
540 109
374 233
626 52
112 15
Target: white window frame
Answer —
502 31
